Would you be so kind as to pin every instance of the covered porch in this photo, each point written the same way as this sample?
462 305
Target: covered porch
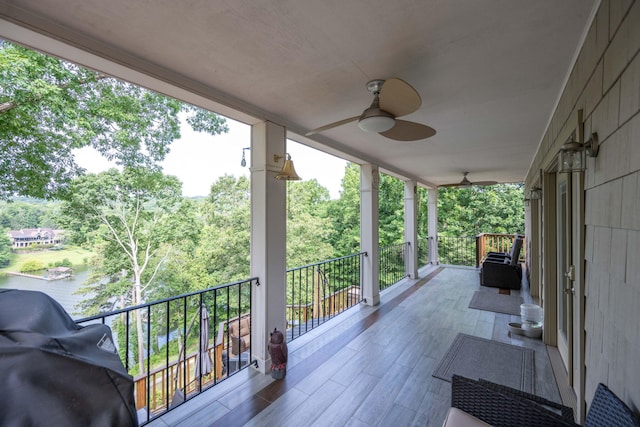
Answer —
371 365
506 89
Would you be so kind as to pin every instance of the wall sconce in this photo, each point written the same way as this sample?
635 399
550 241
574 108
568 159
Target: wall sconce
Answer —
243 162
535 193
572 156
527 202
288 172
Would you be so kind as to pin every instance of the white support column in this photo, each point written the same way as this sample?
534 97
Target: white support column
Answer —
268 237
369 186
432 209
411 228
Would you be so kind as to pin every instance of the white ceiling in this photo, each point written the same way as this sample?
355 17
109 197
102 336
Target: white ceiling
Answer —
489 72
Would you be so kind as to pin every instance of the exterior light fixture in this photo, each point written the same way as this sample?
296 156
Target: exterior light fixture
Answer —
380 122
535 193
374 119
243 162
288 172
573 154
527 202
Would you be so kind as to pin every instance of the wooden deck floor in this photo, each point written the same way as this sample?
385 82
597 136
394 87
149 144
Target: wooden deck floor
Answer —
370 366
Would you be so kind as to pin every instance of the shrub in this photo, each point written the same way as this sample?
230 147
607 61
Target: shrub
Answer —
64 263
31 265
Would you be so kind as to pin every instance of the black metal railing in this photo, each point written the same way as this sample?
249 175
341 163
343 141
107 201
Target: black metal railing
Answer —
423 251
320 291
392 264
458 250
177 347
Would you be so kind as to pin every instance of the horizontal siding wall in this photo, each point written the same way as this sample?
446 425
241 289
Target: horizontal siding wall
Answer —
605 84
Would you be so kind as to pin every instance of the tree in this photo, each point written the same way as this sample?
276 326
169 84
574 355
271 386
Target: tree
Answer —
224 252
423 217
181 272
345 214
391 211
5 248
470 211
27 214
308 226
128 209
49 107
31 265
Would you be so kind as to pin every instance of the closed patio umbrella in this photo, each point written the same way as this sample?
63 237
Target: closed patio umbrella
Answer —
204 357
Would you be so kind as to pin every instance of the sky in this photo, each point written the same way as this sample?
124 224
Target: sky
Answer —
198 159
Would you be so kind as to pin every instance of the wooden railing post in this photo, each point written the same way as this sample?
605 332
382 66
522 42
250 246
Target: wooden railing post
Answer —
141 392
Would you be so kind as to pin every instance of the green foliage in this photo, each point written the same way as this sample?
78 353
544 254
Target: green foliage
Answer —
5 248
471 211
391 211
344 212
64 263
49 107
308 226
127 213
31 266
18 214
223 255
423 218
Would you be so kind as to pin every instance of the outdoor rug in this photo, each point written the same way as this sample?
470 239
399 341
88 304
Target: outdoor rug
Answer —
494 361
499 303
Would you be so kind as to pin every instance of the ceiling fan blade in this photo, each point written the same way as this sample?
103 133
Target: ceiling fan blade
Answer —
332 125
470 184
399 97
408 131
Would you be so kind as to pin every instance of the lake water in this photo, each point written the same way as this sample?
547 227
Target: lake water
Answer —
62 290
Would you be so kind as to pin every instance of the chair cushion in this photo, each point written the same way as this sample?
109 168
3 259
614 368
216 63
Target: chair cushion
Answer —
517 247
459 418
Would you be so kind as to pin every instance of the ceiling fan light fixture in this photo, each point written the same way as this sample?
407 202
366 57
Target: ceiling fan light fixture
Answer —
376 124
374 119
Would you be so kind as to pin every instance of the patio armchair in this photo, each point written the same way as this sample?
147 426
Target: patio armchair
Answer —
482 402
506 273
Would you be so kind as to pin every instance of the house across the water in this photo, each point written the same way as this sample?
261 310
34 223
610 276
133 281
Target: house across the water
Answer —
26 237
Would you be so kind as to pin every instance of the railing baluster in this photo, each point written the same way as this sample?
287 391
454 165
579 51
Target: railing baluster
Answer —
167 344
148 354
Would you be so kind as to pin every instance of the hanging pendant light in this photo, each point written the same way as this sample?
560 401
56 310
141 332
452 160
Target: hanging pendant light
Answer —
288 172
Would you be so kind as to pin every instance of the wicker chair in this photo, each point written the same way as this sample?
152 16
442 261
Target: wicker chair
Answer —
607 410
504 406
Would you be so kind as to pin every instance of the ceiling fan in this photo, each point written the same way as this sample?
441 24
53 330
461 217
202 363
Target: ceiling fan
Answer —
465 183
392 98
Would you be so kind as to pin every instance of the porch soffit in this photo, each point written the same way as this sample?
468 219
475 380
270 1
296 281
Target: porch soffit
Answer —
489 73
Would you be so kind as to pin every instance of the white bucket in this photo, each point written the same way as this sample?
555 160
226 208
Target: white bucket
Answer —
531 313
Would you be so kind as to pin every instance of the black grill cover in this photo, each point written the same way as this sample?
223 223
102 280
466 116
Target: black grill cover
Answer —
56 373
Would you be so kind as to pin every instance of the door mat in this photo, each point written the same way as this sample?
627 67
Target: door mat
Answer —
495 361
499 303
